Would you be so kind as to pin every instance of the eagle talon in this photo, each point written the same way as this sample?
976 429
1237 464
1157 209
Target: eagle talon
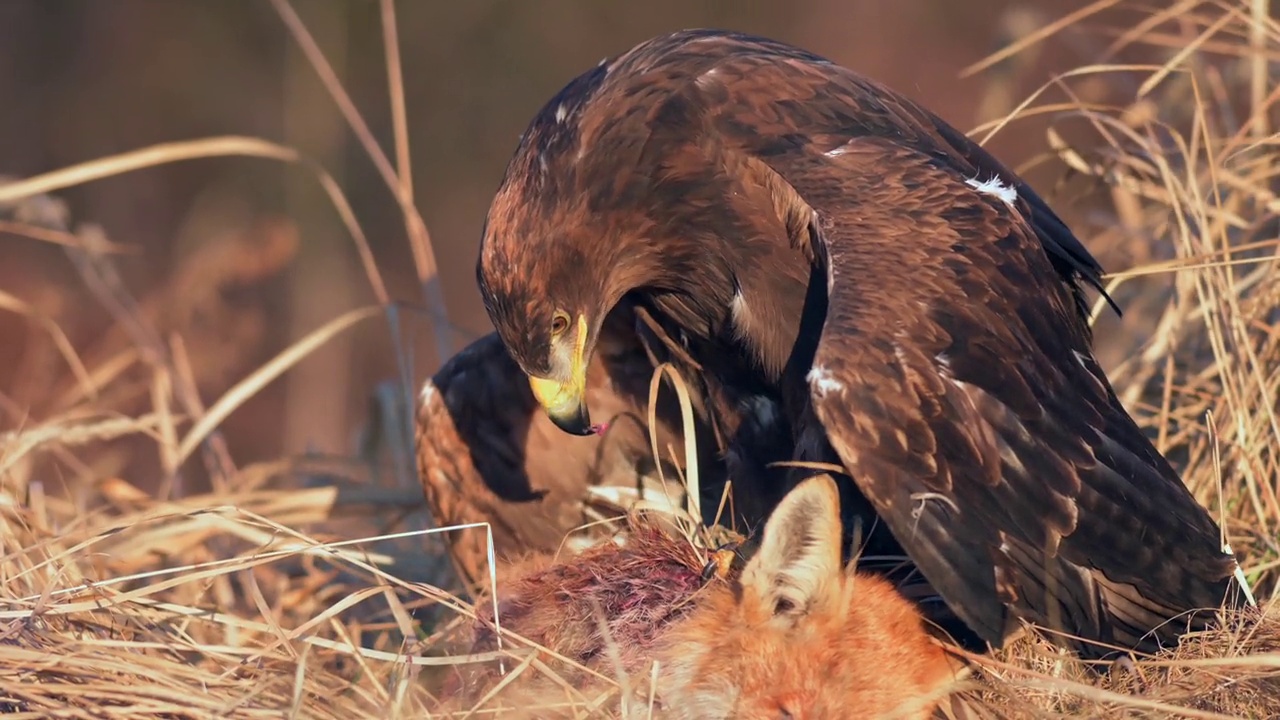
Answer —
720 561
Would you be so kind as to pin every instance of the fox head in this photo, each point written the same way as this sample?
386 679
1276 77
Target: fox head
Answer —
800 636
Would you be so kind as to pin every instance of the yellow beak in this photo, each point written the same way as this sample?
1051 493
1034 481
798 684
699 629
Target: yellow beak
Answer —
566 402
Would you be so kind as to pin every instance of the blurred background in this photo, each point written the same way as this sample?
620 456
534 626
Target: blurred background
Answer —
242 256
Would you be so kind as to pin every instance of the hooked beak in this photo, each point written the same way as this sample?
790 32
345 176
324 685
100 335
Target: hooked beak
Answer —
566 402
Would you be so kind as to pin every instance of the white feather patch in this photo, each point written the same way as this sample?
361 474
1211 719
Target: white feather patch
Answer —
428 392
994 187
823 382
738 310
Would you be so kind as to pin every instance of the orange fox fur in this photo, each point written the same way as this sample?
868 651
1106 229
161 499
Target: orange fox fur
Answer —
795 635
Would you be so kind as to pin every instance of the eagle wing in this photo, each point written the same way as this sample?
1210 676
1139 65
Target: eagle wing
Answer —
953 375
964 400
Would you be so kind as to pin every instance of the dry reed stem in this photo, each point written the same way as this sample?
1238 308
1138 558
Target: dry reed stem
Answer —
399 183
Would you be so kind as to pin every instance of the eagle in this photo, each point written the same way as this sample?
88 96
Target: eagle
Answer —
915 310
487 453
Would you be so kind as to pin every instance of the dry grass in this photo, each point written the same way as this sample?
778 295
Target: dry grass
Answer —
249 601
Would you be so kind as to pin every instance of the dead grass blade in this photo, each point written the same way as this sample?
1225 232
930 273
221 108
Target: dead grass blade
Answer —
250 385
16 305
222 146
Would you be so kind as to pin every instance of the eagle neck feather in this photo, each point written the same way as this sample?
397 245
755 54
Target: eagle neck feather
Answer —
690 282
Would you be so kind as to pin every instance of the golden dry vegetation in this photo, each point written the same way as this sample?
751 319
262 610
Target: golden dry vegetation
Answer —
302 587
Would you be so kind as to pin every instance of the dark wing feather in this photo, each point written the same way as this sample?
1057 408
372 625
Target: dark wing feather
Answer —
954 376
964 400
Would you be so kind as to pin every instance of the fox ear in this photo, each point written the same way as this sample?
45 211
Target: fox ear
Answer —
798 563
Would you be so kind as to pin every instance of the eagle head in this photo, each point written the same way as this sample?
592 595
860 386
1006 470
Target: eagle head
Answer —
540 272
586 213
548 320
547 279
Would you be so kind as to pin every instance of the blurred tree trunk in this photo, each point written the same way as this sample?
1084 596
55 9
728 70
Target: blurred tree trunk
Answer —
325 275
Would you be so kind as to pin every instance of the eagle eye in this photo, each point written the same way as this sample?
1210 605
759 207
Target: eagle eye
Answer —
559 323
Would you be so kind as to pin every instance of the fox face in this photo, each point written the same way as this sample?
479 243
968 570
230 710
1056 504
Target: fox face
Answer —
800 637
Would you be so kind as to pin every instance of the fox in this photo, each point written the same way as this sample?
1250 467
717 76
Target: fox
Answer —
792 633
